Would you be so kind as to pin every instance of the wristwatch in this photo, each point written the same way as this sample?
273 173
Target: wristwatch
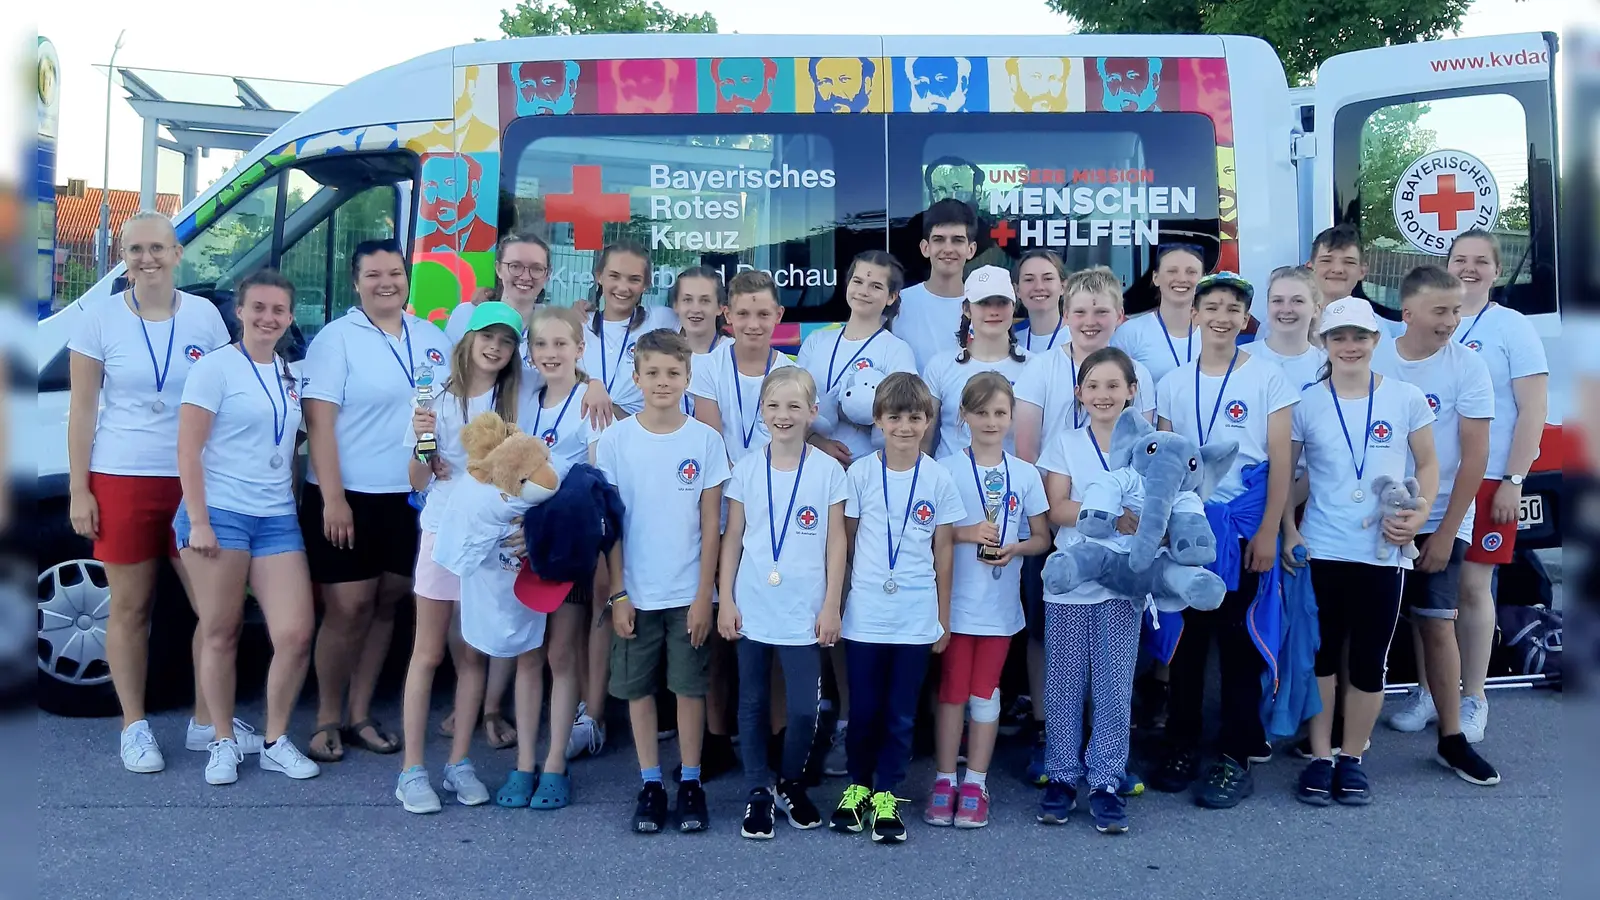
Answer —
1516 479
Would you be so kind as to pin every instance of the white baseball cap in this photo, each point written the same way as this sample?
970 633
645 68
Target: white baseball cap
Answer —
989 281
1350 312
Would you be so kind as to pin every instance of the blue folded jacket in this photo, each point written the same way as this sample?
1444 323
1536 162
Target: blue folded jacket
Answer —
568 532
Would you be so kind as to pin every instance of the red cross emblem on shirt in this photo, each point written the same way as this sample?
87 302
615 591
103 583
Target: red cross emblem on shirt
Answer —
688 470
807 517
1236 411
923 512
1381 431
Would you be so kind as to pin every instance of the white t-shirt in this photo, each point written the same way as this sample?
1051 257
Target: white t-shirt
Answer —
947 378
1143 338
830 358
1332 524
928 323
130 438
1073 454
1512 349
447 442
1455 382
738 398
559 420
910 615
1301 370
609 356
1049 381
785 614
476 541
1041 343
256 422
1255 390
660 478
366 373
980 603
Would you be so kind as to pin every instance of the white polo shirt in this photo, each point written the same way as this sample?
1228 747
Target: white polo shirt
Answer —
368 374
608 355
257 417
131 437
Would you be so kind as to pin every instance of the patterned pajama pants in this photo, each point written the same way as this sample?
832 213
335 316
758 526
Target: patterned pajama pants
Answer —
1090 651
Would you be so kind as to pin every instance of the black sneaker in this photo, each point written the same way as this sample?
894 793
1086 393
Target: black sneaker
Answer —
1110 812
797 806
1225 785
1262 754
1056 803
887 826
1017 717
650 816
1316 783
1458 755
1177 771
692 814
758 816
851 815
1350 785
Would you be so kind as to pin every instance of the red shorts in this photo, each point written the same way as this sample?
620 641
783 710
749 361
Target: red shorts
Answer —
1491 544
970 667
136 514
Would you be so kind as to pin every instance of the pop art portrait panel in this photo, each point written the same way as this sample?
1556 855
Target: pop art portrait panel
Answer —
842 84
1035 84
559 87
459 202
1203 88
1131 84
646 86
746 84
940 83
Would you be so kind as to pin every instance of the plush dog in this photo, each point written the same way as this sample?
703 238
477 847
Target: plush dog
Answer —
1393 497
1162 476
516 463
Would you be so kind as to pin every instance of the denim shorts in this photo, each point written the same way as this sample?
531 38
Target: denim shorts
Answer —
256 535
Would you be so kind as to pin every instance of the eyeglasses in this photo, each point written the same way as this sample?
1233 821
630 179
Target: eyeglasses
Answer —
518 269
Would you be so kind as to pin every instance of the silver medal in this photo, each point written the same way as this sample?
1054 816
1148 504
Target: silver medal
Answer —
1358 495
276 461
158 406
774 579
890 587
996 571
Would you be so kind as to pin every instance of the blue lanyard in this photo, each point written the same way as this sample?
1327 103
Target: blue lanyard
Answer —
1188 352
738 396
1468 333
1028 330
777 536
1073 364
411 370
835 355
888 530
1005 494
278 426
1097 451
1206 429
160 371
1371 391
551 436
612 377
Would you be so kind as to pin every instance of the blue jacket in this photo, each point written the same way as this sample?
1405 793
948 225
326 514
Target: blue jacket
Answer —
1296 698
568 532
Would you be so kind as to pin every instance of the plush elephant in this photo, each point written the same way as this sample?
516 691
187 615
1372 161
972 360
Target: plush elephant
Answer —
856 393
1393 497
1162 476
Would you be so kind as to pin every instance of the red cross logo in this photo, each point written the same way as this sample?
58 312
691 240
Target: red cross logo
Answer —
863 364
1381 432
688 471
1002 233
549 438
588 208
1446 202
1237 411
193 352
923 512
807 517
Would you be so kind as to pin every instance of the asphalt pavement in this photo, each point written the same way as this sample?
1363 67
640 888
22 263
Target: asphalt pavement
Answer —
103 832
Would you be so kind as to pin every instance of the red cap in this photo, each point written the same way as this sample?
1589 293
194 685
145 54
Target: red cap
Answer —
539 595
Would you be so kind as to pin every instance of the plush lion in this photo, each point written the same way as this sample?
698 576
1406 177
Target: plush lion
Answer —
516 463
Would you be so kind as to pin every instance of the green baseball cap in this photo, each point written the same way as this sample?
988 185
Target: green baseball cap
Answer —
493 312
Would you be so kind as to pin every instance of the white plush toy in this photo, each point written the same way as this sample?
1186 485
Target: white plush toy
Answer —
856 393
1393 497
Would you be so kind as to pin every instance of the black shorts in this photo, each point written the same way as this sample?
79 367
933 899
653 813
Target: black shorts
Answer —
1436 595
386 537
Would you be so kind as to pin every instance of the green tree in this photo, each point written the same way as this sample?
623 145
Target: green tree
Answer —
533 18
1391 139
1514 214
1304 34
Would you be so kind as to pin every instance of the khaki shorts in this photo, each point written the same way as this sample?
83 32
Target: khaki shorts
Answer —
659 635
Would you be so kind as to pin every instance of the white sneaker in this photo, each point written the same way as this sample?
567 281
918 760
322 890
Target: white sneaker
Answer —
1474 717
588 736
223 767
140 752
200 737
1416 712
283 756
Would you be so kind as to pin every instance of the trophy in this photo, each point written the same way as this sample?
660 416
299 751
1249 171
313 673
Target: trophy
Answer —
994 505
427 444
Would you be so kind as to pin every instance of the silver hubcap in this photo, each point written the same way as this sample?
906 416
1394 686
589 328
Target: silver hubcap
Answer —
74 606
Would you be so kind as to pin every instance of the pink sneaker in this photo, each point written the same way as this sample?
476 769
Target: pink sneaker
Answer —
972 810
941 804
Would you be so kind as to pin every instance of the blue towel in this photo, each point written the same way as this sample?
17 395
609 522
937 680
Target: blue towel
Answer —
1293 698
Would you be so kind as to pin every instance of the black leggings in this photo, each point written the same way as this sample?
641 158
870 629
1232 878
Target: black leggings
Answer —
1358 603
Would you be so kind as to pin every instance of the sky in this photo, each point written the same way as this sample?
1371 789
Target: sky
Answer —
349 40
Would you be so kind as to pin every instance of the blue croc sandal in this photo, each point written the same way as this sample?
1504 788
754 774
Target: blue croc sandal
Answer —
517 792
555 792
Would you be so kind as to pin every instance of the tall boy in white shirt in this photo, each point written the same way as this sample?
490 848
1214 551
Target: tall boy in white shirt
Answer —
669 470
931 311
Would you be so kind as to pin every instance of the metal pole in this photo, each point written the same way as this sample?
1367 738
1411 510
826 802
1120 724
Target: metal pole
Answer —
105 178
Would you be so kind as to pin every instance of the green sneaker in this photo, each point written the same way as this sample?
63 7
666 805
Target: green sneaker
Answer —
851 815
887 826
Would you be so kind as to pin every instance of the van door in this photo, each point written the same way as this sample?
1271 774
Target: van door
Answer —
1419 142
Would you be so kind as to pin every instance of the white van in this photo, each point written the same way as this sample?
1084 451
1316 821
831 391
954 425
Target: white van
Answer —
1100 146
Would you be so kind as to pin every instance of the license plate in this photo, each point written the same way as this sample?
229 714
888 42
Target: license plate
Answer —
1530 512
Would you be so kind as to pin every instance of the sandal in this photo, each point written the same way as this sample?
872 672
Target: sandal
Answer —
327 754
555 792
502 735
352 734
517 792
